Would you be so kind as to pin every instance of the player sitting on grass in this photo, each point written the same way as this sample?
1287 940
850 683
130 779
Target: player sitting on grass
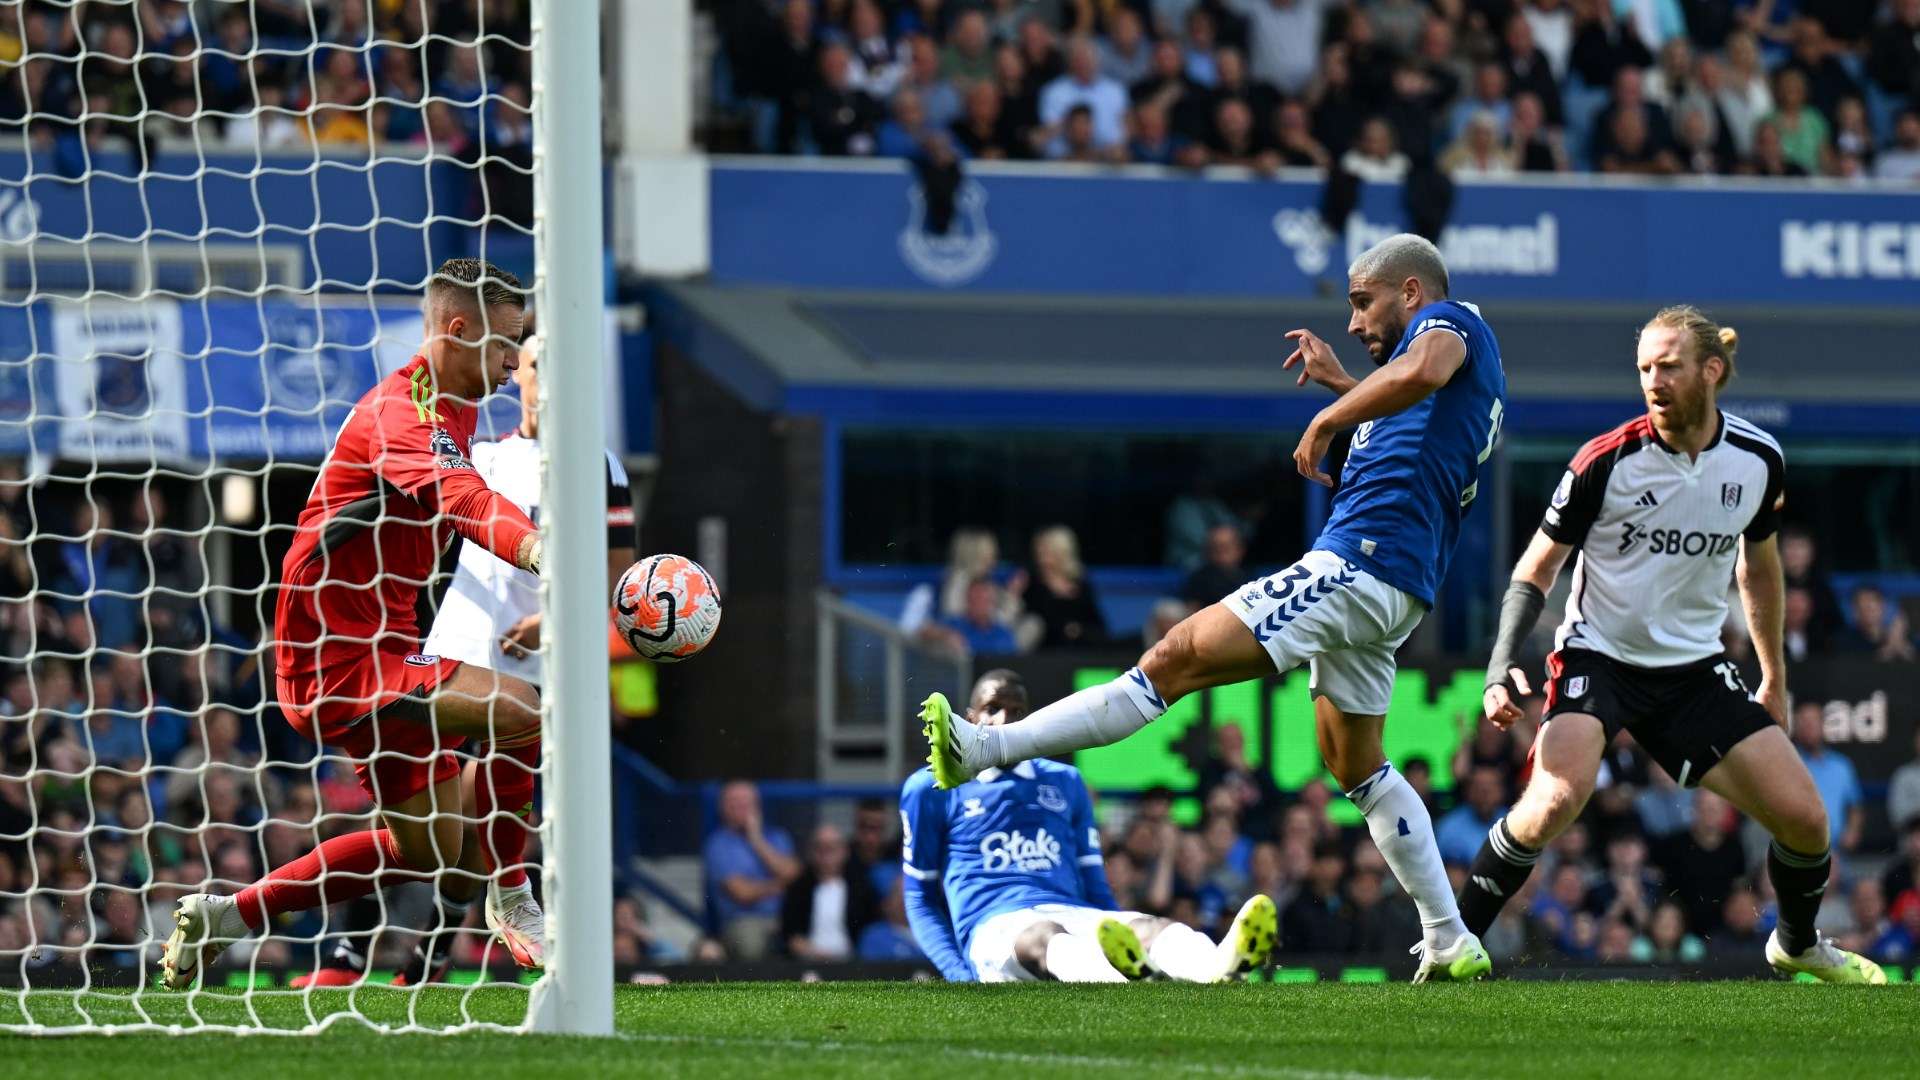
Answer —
1663 511
395 490
1005 881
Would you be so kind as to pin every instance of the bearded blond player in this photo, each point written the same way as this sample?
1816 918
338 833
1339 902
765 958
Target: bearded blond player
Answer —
1663 510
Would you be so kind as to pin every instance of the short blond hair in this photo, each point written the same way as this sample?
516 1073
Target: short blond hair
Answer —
1708 337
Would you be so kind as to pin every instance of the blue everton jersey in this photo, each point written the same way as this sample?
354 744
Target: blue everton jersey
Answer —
1008 839
1410 477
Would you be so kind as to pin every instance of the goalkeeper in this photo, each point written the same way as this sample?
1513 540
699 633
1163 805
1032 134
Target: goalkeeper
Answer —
397 487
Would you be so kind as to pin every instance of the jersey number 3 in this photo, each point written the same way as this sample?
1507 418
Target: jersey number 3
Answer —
1493 436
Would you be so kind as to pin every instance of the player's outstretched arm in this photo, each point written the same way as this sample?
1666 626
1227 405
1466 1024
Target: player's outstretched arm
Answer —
933 928
923 861
421 459
1094 887
1763 594
1427 365
1520 609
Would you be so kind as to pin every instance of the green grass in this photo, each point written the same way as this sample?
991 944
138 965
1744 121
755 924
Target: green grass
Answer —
1560 1030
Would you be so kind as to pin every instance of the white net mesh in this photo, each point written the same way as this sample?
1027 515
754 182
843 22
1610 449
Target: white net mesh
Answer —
216 222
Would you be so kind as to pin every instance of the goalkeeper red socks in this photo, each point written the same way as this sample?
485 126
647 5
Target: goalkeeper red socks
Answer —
343 868
505 799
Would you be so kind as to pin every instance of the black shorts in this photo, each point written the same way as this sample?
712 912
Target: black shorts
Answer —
1686 718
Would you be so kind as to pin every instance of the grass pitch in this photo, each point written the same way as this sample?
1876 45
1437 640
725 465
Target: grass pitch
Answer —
1526 1030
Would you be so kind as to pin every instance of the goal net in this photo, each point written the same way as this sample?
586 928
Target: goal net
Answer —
217 221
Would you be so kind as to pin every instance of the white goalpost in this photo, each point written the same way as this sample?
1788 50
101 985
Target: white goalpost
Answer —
217 224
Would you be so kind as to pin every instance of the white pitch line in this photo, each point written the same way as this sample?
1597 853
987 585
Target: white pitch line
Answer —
1015 1057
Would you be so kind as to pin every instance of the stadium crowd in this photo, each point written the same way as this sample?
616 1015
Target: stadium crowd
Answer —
1375 88
451 77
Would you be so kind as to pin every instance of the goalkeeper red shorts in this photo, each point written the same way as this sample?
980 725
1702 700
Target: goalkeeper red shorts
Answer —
376 712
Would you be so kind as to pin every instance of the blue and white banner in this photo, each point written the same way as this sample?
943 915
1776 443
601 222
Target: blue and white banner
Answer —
1148 232
167 382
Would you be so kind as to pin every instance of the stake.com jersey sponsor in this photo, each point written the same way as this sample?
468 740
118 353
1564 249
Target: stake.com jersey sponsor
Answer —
1658 534
1007 840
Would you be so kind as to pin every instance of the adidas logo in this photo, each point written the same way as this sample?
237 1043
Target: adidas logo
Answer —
1489 885
1646 499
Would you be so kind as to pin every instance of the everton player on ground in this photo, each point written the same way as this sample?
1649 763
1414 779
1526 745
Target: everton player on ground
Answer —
1664 510
1422 425
395 490
1005 881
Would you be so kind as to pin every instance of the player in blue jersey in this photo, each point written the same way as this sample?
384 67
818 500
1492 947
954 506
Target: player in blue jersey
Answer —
1423 424
1005 881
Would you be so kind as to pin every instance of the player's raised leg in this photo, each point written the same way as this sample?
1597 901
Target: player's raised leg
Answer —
1765 779
1566 760
1212 647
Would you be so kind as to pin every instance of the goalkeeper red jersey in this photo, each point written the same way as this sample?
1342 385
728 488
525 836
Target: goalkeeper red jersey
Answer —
395 490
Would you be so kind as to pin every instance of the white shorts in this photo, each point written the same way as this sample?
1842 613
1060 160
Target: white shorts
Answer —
991 950
1344 620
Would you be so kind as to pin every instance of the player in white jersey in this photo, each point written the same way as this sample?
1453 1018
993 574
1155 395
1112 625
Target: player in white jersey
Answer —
490 619
1663 511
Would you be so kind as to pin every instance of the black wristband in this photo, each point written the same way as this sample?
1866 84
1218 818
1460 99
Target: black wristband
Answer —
1519 610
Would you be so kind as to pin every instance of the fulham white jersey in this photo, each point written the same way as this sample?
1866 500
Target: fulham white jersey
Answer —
489 596
1658 534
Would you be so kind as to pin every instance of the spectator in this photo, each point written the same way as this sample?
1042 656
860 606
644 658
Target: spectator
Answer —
984 130
1378 922
1083 85
1040 53
1460 833
1653 135
1236 141
1336 101
1803 131
1747 74
1250 789
876 850
1833 775
1283 39
1666 940
1165 614
1418 772
905 133
748 869
1604 46
1527 69
1374 157
1853 143
1732 113
1901 879
1893 54
1152 142
826 908
1293 138
968 57
1769 153
979 631
1741 933
1671 79
1827 81
889 938
1057 593
1699 150
1234 85
1312 923
1489 99
1166 83
1903 792
1126 55
1872 933
1200 45
939 100
1224 571
1534 148
1553 29
1559 910
1877 630
1629 889
1413 105
879 64
1702 864
1019 102
1902 159
1398 23
972 554
840 116
1480 152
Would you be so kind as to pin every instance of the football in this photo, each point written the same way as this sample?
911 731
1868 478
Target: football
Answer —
667 607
